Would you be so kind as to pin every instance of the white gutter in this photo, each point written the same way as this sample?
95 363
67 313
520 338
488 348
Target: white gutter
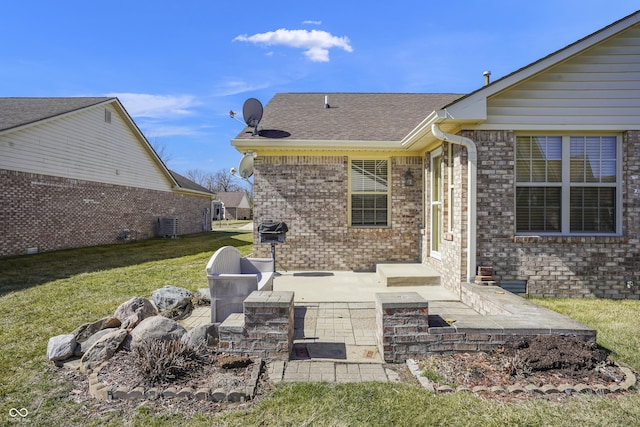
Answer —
472 155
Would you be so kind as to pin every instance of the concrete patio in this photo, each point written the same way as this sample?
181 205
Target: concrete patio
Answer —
335 336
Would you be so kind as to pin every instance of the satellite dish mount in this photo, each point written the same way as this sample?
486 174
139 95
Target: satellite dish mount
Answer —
252 113
245 168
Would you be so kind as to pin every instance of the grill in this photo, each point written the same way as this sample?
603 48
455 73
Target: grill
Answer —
273 232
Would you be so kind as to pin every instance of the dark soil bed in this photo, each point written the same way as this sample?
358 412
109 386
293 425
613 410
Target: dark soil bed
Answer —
539 361
212 371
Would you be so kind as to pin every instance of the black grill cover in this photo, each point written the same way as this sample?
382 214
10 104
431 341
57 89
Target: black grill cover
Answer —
273 228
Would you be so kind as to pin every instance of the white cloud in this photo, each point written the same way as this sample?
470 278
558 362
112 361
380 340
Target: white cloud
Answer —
316 43
235 87
156 106
156 130
309 22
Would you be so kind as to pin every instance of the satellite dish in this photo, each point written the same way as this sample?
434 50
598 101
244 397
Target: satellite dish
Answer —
252 113
245 168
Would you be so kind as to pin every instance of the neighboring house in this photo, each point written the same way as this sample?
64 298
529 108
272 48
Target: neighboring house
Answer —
236 205
536 175
78 172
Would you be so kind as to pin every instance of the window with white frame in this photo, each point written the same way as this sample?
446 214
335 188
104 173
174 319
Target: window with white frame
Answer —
369 193
568 184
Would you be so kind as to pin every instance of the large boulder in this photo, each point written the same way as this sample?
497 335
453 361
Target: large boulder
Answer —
102 350
156 328
61 347
82 333
88 343
134 311
201 336
170 297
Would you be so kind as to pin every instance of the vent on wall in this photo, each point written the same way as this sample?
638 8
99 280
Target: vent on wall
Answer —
107 116
514 286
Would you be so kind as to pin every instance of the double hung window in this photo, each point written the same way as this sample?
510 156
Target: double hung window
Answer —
369 193
568 185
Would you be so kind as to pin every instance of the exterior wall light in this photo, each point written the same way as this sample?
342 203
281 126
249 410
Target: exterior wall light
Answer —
408 178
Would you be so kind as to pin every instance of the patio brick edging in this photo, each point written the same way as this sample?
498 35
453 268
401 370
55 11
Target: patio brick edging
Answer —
629 382
100 391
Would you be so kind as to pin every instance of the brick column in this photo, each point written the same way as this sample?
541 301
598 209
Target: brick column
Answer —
402 320
268 322
265 329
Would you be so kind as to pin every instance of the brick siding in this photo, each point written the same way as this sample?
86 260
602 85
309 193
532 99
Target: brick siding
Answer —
50 213
593 266
310 194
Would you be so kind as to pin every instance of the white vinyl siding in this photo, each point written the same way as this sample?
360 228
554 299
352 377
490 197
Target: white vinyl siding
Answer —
84 146
369 193
598 89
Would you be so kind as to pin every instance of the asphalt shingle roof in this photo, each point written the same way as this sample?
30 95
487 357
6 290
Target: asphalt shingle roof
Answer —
351 116
16 112
186 183
232 198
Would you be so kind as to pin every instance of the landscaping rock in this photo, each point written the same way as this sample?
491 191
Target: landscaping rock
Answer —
85 331
204 295
134 311
180 312
171 297
201 336
156 327
102 350
87 344
61 347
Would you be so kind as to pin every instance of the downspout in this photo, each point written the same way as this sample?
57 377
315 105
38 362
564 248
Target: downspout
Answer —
472 155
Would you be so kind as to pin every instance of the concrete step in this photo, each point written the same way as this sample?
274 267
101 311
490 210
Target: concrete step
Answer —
407 275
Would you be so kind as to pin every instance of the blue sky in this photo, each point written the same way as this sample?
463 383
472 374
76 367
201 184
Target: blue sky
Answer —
179 67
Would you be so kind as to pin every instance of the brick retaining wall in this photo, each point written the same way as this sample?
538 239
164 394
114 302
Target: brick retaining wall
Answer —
266 328
404 331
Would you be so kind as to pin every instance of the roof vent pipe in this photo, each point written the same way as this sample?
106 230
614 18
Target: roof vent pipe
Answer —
326 101
487 77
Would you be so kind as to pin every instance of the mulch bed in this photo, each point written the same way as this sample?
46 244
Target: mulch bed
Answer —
212 371
544 360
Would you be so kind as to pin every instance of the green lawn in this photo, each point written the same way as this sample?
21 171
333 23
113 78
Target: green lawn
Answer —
52 293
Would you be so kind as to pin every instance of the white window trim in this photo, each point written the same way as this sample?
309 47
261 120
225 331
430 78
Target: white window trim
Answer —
565 185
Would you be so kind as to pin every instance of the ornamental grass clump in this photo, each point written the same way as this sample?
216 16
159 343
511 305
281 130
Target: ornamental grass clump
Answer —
161 361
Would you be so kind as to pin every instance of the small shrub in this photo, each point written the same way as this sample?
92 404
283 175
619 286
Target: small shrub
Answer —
430 371
516 366
163 361
432 375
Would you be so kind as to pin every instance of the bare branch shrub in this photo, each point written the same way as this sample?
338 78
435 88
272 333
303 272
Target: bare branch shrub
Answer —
163 361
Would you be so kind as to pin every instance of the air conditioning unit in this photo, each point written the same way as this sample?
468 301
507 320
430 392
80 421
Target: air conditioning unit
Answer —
168 227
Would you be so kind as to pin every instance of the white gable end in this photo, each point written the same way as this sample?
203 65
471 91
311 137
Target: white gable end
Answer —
86 146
